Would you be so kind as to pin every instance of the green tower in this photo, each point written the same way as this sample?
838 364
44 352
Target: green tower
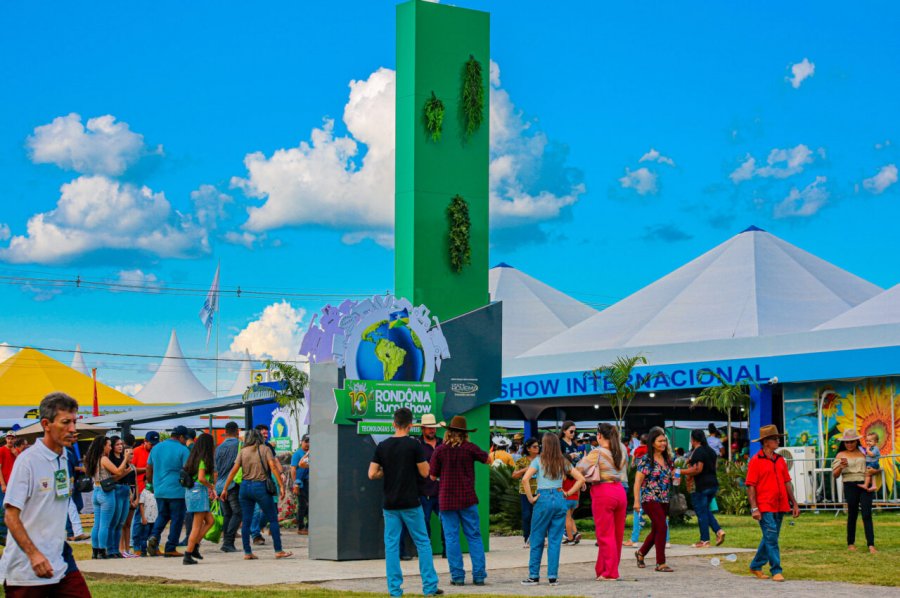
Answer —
436 45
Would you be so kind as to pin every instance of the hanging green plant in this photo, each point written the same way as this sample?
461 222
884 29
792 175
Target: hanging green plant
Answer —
434 116
460 225
473 95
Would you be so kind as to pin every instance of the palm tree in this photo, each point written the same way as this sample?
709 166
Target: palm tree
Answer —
620 373
724 397
294 381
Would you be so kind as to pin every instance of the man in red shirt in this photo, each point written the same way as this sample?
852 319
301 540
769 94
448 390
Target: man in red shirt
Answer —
8 454
140 457
771 495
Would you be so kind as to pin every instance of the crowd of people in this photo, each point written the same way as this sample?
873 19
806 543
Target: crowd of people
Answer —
141 488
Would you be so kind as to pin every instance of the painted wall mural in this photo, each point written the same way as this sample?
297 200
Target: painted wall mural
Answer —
817 413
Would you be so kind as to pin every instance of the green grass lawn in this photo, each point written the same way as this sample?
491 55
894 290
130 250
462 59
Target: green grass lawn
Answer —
815 547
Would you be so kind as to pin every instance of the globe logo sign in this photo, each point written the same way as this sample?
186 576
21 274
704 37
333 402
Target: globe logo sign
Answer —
390 350
384 338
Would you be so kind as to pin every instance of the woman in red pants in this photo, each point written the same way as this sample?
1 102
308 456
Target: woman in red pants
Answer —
607 463
652 485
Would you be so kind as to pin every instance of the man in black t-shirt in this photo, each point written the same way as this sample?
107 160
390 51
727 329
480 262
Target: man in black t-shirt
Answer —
702 466
400 462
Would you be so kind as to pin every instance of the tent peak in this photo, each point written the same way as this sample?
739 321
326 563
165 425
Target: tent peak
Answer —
752 229
502 265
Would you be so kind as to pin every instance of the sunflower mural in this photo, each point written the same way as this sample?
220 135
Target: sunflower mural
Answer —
874 400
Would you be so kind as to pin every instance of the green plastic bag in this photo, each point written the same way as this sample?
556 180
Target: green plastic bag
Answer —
215 532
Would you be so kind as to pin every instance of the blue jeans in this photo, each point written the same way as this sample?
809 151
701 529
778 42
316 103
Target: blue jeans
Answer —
636 525
527 511
139 533
471 527
169 509
104 512
118 520
429 506
705 518
768 551
414 521
258 522
254 493
3 530
547 521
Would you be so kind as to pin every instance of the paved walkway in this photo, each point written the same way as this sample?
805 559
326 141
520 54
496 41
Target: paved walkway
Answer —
507 566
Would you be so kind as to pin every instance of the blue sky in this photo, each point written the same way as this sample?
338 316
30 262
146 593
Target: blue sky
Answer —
145 143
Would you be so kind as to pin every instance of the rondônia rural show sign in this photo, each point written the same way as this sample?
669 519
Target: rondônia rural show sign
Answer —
390 351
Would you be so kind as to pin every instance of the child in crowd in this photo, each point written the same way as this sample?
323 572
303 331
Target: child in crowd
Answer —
873 454
147 513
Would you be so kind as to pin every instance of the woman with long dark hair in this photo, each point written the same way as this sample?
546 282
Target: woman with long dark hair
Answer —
532 449
99 468
605 467
569 446
702 468
123 498
258 462
199 466
652 485
550 506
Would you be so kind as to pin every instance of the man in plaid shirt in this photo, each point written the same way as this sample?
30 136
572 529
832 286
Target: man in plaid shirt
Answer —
454 463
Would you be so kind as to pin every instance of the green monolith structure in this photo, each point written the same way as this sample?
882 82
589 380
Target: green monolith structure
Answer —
434 44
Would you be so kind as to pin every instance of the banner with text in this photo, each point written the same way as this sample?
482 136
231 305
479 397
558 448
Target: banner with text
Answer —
370 404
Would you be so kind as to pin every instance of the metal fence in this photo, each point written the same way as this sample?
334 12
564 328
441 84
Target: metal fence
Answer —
816 487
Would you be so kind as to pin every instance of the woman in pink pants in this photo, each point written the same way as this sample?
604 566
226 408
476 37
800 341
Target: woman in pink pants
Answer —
607 464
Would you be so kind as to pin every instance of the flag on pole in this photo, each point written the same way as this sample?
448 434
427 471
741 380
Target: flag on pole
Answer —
210 306
96 410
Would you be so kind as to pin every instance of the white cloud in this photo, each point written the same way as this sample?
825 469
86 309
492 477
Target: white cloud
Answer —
386 240
276 334
641 180
800 72
884 144
885 177
323 181
654 156
5 233
244 238
96 213
780 163
744 172
209 205
6 351
803 203
137 280
103 146
130 389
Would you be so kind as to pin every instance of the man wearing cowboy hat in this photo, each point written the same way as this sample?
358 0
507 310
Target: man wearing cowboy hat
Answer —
454 464
771 495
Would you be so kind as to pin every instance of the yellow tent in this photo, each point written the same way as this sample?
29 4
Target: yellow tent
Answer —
29 375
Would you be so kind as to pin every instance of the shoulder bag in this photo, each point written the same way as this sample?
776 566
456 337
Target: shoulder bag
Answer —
185 479
84 484
108 485
271 488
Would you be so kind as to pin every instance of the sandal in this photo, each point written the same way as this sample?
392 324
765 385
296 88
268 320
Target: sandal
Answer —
250 557
664 568
576 538
720 537
284 555
701 544
640 559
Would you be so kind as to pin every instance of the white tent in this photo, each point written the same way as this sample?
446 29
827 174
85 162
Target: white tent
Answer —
78 363
243 378
883 308
173 382
752 285
532 311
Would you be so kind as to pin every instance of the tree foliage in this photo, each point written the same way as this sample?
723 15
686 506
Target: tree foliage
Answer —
620 374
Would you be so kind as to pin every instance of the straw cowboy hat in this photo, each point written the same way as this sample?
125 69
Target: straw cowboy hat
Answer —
428 421
849 435
768 432
457 424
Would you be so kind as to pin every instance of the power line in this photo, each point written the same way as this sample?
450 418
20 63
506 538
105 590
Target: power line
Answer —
142 355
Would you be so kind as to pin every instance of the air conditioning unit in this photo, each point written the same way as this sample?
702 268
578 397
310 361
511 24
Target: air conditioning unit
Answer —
801 464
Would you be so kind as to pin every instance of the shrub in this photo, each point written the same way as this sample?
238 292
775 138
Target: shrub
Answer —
732 496
506 506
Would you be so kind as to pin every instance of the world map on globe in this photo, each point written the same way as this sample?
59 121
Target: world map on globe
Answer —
390 350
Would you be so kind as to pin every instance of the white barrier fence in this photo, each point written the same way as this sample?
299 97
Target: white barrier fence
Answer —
815 485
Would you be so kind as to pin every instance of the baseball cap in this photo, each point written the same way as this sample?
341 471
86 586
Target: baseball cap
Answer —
179 431
152 437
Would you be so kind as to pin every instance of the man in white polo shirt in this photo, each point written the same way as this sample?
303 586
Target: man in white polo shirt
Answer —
37 561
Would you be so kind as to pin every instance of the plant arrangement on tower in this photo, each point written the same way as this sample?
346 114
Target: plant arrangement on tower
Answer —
473 95
460 231
434 117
